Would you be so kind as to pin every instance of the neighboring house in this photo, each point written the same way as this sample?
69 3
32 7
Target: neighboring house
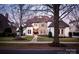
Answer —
74 27
63 29
5 23
44 24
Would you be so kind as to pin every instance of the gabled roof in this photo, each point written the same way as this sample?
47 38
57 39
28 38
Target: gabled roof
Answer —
3 22
62 24
37 19
74 21
3 18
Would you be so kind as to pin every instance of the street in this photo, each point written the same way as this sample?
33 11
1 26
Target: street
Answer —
38 51
37 48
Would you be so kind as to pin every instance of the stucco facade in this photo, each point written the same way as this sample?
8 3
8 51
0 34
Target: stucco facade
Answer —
44 26
28 31
63 32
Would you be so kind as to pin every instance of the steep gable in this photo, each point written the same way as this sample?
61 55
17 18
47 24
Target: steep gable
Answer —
3 22
37 19
62 24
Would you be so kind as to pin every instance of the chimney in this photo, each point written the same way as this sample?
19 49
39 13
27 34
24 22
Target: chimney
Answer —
6 15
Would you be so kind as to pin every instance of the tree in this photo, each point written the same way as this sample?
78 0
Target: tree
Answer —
21 10
56 9
56 23
74 16
18 12
21 15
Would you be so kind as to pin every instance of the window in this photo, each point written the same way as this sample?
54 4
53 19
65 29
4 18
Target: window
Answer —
43 31
35 24
61 31
29 31
42 25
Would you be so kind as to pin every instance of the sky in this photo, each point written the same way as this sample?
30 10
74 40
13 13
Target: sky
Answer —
14 9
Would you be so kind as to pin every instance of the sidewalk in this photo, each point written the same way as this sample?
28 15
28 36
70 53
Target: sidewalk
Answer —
37 42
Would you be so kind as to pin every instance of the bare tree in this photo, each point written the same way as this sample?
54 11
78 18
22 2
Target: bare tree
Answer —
56 23
74 16
59 12
18 12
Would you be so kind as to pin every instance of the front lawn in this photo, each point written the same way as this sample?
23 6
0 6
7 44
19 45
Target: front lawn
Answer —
44 38
69 39
28 38
25 38
6 38
40 38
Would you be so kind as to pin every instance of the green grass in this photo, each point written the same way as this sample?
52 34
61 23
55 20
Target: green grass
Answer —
6 38
40 38
69 39
45 38
28 38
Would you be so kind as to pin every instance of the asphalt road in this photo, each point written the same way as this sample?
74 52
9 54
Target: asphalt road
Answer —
44 48
38 51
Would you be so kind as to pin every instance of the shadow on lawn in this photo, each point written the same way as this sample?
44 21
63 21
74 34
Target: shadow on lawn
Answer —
76 46
57 45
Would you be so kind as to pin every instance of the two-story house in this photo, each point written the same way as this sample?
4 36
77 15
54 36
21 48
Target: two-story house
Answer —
44 24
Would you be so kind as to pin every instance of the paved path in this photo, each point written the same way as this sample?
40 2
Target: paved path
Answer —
37 42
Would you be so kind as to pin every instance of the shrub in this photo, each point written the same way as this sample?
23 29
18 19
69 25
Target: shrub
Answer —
50 34
76 33
13 34
8 30
70 34
1 35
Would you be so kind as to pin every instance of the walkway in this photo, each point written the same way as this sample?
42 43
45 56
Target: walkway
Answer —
37 42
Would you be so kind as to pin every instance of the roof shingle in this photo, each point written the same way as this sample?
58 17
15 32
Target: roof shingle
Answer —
62 24
38 19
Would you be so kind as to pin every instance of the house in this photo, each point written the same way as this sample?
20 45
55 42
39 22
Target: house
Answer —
74 28
5 23
63 29
44 24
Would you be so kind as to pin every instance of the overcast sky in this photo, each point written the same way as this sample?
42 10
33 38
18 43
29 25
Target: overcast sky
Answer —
8 8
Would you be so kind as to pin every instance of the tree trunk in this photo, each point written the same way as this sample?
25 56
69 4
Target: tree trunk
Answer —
56 23
21 10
